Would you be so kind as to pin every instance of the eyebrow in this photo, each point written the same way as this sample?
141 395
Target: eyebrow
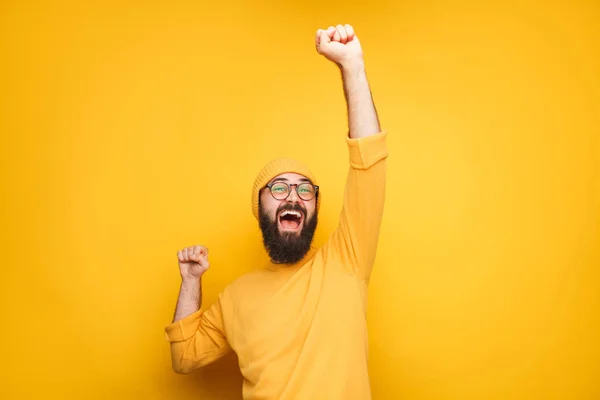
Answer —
286 180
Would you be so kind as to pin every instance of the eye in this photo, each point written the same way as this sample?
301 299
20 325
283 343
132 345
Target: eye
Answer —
305 189
279 188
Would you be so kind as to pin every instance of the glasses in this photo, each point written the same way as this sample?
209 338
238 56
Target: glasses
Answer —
281 190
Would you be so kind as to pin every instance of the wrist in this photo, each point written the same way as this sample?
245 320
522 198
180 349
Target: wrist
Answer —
353 66
190 280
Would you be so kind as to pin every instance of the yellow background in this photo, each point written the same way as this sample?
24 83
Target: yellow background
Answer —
133 129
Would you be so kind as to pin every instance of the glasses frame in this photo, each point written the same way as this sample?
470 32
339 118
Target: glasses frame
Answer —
290 187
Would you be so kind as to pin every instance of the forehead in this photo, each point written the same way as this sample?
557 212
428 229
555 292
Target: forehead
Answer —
290 177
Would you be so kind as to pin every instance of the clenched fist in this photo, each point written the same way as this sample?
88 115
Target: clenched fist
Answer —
193 262
340 45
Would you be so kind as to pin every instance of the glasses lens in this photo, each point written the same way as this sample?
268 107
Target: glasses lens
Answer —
280 190
306 191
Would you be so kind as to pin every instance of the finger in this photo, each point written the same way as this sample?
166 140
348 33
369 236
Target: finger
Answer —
336 36
323 39
192 255
180 256
330 32
341 30
186 254
349 31
196 250
318 37
201 254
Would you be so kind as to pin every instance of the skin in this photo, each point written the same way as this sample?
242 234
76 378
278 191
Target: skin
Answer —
341 46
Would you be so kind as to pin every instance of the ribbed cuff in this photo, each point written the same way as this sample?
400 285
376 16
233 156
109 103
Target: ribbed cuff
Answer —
368 150
184 328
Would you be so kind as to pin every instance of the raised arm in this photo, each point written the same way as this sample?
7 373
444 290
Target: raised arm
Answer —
362 115
340 45
356 238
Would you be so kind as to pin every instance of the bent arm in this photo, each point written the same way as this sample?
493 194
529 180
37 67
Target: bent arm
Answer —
190 298
196 337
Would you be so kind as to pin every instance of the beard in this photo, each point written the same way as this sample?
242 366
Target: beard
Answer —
287 247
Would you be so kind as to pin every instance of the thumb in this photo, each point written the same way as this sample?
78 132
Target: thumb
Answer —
199 257
202 260
204 264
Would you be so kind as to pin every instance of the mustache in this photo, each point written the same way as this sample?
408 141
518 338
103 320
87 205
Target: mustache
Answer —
291 207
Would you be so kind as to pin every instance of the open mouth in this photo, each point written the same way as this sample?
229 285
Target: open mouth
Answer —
291 220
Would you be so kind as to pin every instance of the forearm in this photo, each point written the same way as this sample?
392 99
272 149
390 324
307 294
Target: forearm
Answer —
362 114
190 298
196 339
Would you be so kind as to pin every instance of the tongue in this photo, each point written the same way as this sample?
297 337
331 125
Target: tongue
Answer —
290 224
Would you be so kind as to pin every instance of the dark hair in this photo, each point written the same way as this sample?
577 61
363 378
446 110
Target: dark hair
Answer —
286 248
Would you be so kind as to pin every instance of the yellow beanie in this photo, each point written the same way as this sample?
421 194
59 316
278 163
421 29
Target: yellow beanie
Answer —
277 167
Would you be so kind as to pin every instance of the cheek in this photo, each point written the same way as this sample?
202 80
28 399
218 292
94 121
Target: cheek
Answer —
310 209
269 205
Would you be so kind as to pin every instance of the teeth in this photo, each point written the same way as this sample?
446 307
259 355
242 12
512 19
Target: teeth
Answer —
296 213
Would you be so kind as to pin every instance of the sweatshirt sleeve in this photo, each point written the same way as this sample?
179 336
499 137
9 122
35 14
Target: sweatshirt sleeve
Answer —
356 238
198 339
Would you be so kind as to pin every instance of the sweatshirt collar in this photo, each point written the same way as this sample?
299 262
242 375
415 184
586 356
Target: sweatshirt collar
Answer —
293 266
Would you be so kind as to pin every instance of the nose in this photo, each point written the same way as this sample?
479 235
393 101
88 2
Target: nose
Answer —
293 197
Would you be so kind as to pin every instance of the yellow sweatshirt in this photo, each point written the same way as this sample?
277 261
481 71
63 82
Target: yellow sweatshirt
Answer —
300 331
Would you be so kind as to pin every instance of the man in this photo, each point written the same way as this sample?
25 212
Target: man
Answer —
298 326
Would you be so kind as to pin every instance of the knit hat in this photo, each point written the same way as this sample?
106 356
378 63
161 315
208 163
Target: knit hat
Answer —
277 167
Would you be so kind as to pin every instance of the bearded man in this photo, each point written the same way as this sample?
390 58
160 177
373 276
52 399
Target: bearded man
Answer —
298 326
